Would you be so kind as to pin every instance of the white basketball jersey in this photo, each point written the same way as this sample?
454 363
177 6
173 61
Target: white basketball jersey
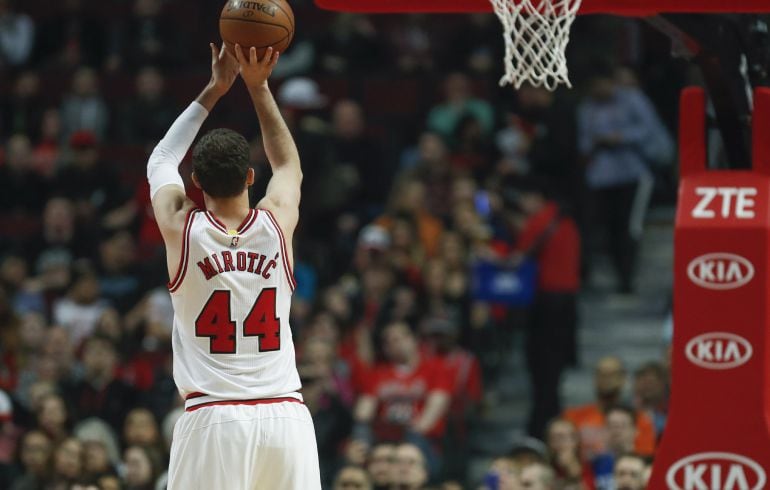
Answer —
231 296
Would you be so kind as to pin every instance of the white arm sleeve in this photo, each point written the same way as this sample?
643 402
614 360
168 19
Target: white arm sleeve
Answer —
163 166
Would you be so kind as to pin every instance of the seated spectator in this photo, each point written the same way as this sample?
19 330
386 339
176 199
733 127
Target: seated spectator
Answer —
609 382
630 472
93 186
53 418
84 108
61 240
96 460
380 465
47 151
35 455
23 191
409 198
99 393
621 433
434 170
407 396
410 468
119 274
651 393
351 44
563 443
445 117
352 478
79 312
142 468
68 463
150 112
17 36
538 476
503 474
141 429
143 37
20 113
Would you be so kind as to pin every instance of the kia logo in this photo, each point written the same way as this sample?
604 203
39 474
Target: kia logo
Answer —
720 271
718 350
723 471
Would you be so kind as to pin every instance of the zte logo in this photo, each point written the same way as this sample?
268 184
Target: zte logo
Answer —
725 202
716 471
720 271
718 350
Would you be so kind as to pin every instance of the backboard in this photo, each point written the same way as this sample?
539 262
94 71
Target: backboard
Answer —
620 7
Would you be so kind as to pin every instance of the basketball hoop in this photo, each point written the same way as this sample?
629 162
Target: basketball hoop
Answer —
536 34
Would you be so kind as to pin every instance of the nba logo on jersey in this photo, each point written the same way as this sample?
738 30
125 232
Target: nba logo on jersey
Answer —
234 241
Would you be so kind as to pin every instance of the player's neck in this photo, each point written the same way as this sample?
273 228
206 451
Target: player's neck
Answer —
231 210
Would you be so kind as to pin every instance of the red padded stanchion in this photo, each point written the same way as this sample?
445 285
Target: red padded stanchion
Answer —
717 434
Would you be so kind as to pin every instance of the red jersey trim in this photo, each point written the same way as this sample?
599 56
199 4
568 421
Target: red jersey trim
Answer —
194 394
287 267
257 401
181 270
245 224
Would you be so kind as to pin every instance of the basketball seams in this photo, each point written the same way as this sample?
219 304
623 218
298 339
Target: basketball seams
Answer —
290 18
259 22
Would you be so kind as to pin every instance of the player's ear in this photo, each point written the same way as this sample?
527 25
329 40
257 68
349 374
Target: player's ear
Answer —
250 177
195 181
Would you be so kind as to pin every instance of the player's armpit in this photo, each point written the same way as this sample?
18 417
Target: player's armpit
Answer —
170 206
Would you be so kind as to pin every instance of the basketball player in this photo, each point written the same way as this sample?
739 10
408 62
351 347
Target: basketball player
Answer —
245 426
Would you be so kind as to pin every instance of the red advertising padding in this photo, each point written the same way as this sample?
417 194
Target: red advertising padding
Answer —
717 435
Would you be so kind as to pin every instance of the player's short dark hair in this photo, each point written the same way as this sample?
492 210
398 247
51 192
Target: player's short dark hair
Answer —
221 162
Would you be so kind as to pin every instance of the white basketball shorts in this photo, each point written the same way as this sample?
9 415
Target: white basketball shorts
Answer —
224 446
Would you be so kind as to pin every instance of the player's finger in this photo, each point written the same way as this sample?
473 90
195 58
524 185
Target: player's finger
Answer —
275 59
239 55
253 55
213 52
268 56
222 52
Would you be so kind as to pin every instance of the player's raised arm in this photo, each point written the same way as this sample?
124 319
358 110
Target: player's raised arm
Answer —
169 201
283 191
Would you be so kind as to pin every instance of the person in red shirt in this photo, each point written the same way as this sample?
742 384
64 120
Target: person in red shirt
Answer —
407 397
551 237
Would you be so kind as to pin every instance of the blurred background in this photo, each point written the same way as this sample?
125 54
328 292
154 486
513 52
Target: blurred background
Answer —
483 273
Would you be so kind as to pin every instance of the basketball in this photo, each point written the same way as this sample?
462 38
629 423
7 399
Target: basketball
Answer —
258 24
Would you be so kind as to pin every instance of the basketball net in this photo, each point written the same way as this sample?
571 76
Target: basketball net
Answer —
536 34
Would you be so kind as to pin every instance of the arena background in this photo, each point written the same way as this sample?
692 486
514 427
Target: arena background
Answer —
419 170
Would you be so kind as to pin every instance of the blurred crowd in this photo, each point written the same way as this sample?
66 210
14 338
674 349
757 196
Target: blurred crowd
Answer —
442 216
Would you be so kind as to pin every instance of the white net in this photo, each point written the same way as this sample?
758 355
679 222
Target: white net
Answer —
536 35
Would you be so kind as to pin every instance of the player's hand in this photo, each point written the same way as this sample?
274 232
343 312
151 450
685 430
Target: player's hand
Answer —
224 70
256 72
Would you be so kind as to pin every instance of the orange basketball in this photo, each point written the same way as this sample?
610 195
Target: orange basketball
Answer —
258 24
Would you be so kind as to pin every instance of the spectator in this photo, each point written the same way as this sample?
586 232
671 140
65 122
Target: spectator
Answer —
537 476
96 460
409 198
609 381
142 468
412 43
21 112
17 35
147 116
22 192
80 311
352 478
68 463
617 132
464 370
53 419
651 393
99 393
119 275
35 454
445 117
434 170
84 109
549 236
630 470
93 186
621 430
141 429
380 465
362 173
563 443
350 45
73 36
410 468
407 396
504 474
145 39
